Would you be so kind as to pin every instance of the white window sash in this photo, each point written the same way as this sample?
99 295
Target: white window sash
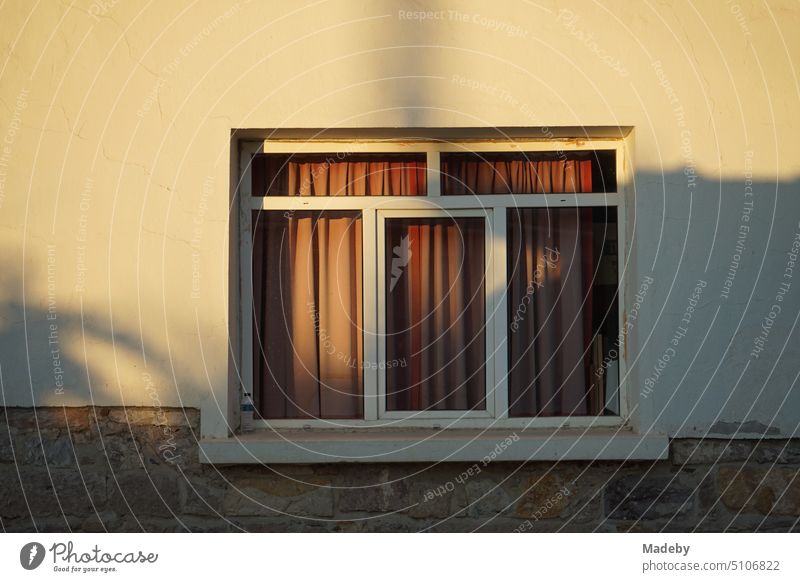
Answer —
489 293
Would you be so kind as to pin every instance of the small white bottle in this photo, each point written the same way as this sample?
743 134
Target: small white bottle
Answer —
246 422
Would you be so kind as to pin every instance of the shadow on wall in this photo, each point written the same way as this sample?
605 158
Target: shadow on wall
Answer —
716 347
52 354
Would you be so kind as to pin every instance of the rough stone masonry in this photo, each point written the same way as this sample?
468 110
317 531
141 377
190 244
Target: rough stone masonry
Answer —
105 469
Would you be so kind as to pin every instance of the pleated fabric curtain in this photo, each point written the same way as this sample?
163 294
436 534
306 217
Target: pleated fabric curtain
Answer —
357 179
550 303
362 175
466 175
307 336
435 313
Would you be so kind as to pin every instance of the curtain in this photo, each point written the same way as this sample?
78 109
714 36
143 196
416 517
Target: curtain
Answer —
307 337
503 174
550 265
356 175
435 314
550 305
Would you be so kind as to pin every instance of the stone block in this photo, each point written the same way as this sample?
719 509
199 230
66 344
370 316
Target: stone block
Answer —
375 490
350 526
583 509
57 492
771 491
425 504
134 417
584 501
709 451
53 448
270 495
202 495
487 497
102 521
643 497
544 496
76 419
7 435
745 489
12 493
787 492
780 452
120 452
142 493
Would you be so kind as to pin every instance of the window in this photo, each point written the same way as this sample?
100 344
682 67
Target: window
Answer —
468 284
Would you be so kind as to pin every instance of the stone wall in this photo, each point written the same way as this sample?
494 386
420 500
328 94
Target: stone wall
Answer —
116 469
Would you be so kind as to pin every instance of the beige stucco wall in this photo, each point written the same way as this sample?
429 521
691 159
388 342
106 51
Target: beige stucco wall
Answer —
115 124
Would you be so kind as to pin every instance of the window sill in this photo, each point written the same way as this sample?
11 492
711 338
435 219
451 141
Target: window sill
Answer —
420 445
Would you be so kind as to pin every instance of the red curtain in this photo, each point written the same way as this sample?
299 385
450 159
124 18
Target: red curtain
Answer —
466 175
435 314
355 175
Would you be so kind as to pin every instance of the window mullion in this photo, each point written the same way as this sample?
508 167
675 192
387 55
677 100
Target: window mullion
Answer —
499 317
370 316
380 311
434 173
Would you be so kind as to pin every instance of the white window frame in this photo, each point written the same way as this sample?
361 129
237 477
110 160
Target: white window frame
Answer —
373 211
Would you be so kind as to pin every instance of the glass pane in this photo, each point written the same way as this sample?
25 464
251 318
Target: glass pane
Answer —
562 300
435 314
307 308
340 174
528 173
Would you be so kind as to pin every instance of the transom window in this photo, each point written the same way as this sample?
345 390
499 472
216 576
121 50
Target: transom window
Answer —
422 283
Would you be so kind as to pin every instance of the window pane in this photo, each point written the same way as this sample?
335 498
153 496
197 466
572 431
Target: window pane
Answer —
435 314
339 174
528 173
563 325
307 304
